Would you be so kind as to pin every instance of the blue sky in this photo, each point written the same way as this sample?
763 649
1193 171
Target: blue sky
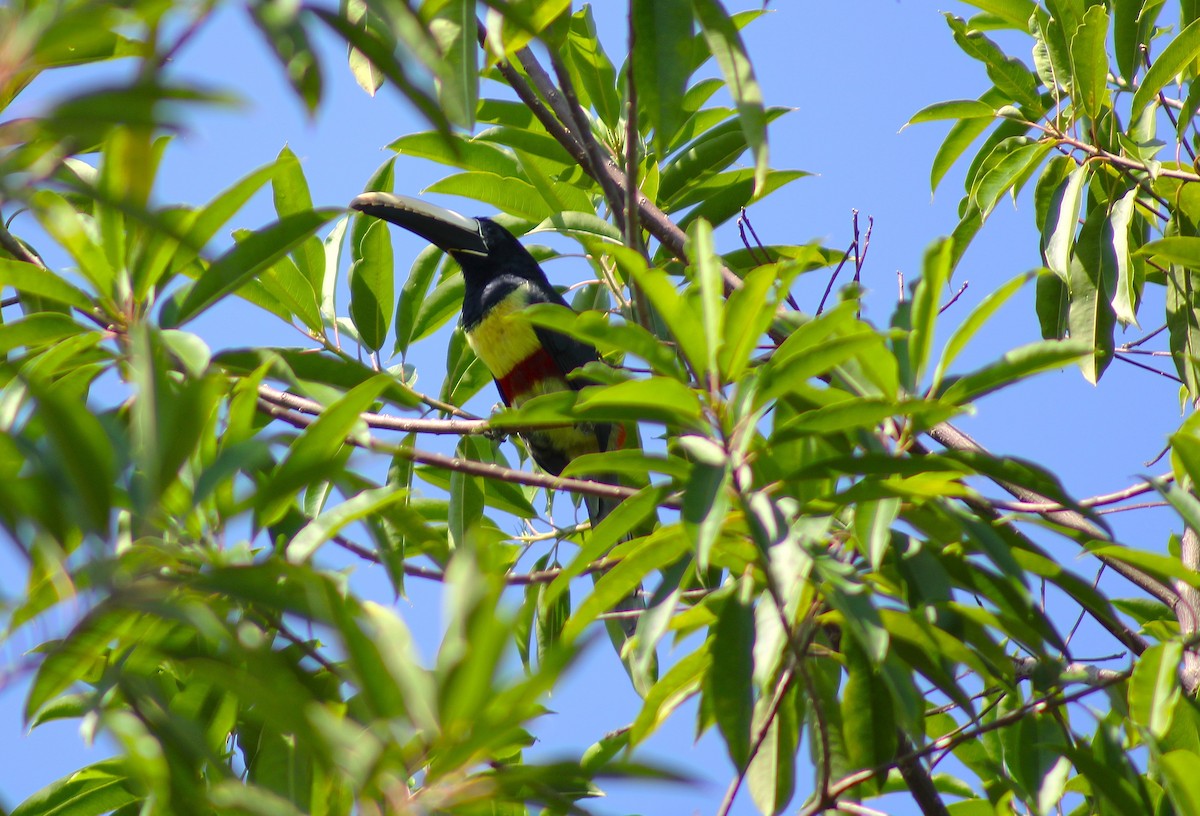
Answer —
854 71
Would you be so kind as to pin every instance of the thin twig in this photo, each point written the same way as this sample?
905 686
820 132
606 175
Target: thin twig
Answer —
1151 369
1128 507
1083 612
781 688
512 579
1134 344
957 295
853 248
1114 497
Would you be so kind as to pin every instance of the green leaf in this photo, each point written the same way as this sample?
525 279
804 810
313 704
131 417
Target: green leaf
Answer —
1014 12
1130 274
288 39
654 552
103 787
37 330
434 311
1020 158
1181 772
241 264
453 28
706 270
176 253
83 449
291 194
596 76
1171 61
1183 319
330 523
1062 219
1021 362
1089 62
706 496
952 109
1010 75
873 525
313 455
34 280
1052 303
1125 37
725 43
672 690
974 322
466 374
371 289
961 135
661 62
705 156
594 327
868 715
287 285
1154 687
749 311
509 194
926 303
654 398
458 151
728 683
1093 285
376 55
723 196
771 776
414 295
74 232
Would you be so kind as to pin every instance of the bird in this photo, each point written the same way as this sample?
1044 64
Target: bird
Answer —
501 280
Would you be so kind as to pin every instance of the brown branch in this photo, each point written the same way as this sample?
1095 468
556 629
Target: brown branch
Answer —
382 422
1114 159
576 120
484 470
606 172
1052 700
951 437
919 782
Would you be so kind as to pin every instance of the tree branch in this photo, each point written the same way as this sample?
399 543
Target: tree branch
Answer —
951 437
382 422
585 487
1092 501
1187 612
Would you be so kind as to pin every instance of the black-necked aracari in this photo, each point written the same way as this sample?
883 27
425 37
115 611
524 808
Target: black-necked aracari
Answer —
502 279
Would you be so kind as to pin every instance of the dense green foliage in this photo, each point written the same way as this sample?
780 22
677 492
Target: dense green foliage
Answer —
802 518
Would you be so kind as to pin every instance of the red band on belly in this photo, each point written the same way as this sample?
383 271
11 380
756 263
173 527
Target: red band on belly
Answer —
529 377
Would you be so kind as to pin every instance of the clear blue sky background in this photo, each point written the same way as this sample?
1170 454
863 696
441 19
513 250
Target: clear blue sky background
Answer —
854 71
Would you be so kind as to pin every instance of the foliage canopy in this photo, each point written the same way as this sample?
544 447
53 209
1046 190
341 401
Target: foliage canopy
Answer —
811 533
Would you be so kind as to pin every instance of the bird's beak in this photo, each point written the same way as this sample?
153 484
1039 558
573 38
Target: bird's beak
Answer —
445 229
